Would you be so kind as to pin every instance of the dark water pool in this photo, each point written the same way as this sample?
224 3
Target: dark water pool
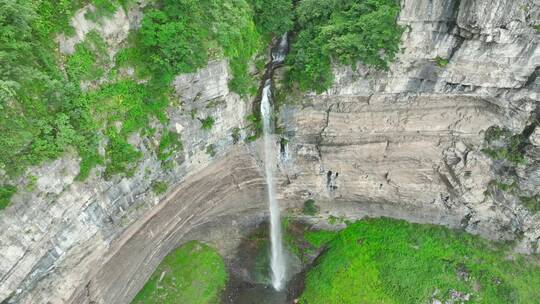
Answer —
249 281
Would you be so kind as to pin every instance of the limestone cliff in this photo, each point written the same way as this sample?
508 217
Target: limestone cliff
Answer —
408 143
405 143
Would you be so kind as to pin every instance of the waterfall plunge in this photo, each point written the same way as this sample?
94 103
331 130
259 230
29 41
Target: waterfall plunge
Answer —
277 258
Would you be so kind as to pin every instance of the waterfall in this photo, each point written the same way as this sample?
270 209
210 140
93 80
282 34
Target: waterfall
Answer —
277 259
278 55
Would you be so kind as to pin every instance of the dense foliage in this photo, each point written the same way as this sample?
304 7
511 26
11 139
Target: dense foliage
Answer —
345 31
181 36
389 261
273 17
52 103
310 208
44 110
191 274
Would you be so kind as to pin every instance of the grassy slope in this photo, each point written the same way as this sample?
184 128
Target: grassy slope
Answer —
389 261
193 274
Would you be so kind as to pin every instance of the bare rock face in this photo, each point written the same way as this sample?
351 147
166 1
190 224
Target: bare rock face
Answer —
405 144
113 29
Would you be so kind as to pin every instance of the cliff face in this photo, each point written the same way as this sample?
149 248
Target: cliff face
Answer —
408 143
405 143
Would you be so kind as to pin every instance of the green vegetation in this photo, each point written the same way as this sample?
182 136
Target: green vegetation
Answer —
531 202
192 274
505 186
6 192
31 183
180 37
43 110
442 62
169 144
273 17
207 123
537 28
310 208
501 144
391 261
159 187
104 8
33 90
255 127
121 156
44 113
211 150
344 31
236 135
89 58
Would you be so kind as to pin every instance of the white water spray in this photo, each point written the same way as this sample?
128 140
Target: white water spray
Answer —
277 258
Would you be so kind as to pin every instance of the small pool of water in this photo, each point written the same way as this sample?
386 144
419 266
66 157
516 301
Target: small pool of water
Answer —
257 294
249 281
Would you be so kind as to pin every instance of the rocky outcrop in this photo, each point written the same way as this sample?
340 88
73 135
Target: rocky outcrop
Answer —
408 143
405 143
57 233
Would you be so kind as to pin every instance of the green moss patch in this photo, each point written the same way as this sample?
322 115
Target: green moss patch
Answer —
442 62
501 144
391 261
192 274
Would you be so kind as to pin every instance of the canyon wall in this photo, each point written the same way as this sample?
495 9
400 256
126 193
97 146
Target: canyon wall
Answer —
404 143
408 143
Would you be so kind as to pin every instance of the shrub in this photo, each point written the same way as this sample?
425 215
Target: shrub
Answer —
181 36
207 123
177 34
273 17
121 156
89 58
346 31
510 146
170 143
441 61
211 150
159 187
255 126
310 208
532 203
236 135
6 192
